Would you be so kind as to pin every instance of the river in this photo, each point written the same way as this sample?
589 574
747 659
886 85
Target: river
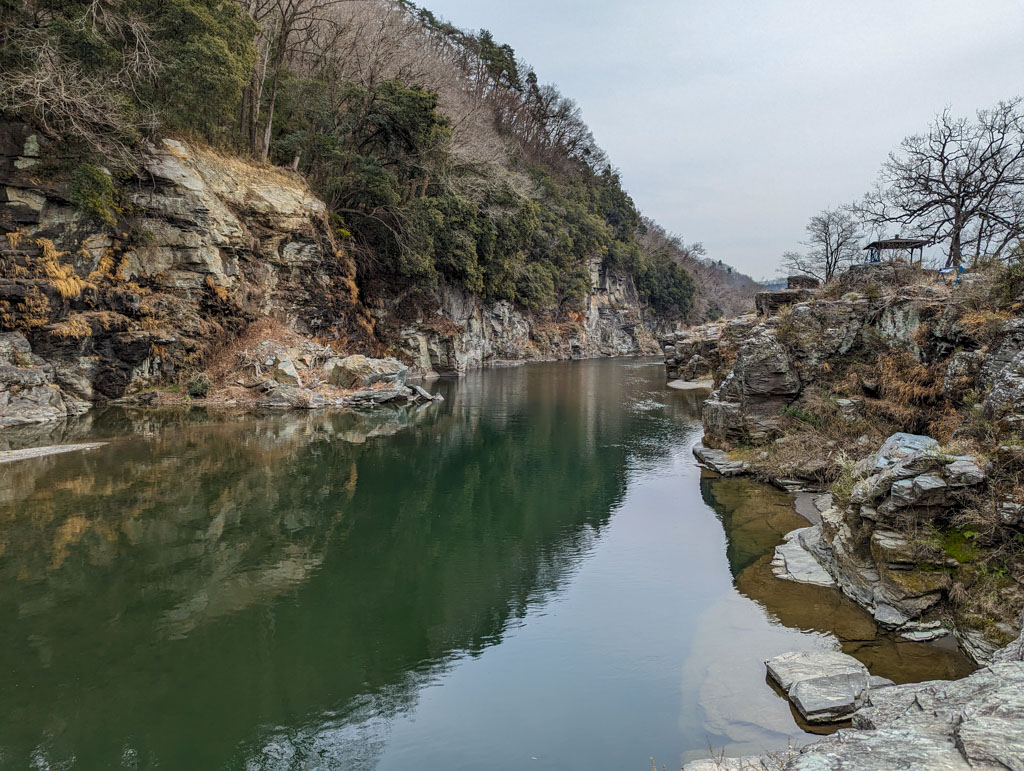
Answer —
533 574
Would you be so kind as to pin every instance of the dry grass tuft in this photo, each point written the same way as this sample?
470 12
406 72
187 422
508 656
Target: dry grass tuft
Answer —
220 292
906 382
61 276
984 326
74 328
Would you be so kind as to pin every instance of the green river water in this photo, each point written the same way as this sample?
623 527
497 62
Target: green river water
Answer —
534 574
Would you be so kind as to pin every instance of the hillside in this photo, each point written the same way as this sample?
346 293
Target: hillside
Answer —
455 209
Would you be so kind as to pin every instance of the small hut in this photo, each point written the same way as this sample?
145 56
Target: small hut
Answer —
897 247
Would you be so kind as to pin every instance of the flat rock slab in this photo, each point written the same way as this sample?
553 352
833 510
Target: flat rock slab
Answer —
719 461
824 686
790 668
792 562
829 699
9 456
692 385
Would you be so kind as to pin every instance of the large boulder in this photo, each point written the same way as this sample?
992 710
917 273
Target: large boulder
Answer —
362 372
824 686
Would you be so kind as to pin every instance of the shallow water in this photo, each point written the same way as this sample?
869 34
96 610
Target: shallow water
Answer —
532 574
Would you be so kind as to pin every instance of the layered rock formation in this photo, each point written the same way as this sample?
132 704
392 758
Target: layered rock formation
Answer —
458 331
706 351
764 364
922 534
214 244
28 393
866 544
824 686
122 287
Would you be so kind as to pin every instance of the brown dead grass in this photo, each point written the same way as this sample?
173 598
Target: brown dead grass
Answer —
76 327
984 326
225 364
906 382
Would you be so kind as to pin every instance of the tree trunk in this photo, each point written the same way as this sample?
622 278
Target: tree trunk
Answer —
954 257
264 152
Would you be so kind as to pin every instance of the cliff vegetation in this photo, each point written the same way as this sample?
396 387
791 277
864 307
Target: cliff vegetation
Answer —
441 156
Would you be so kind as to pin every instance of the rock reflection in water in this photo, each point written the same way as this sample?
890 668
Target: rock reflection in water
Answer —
198 591
211 591
755 517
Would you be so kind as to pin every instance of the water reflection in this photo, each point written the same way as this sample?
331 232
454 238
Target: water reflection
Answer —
755 517
212 591
200 577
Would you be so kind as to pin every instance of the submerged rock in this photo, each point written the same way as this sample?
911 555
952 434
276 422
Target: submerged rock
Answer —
793 561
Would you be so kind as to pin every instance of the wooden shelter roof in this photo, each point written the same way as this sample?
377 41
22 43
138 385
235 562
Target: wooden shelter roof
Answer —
899 243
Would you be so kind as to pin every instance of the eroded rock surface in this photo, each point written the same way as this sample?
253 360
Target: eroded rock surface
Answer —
456 331
362 372
29 392
971 723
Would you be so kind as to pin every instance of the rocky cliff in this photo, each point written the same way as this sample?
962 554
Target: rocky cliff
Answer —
118 288
457 331
201 246
905 398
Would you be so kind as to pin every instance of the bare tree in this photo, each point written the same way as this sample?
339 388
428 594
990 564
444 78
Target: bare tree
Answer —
66 101
833 239
287 28
962 182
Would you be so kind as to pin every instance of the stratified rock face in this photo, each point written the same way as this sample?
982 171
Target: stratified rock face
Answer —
748 405
769 303
705 352
776 359
976 722
209 244
462 332
212 244
28 393
799 337
908 479
863 545
1003 374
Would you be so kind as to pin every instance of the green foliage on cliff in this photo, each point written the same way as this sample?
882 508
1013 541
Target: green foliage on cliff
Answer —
438 152
93 191
101 75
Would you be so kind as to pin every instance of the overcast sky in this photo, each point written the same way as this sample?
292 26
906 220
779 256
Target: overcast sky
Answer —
734 122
